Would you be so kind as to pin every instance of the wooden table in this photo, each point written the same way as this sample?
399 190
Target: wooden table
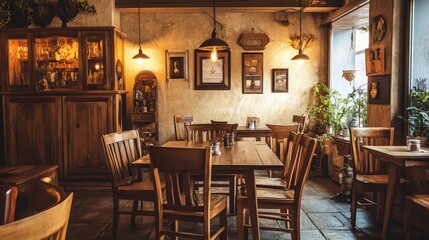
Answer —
243 132
21 175
398 157
242 158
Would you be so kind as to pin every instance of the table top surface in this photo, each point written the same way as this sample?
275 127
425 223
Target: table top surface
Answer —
241 129
244 155
400 155
17 175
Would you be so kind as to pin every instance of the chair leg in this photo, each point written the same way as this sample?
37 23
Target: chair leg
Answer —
353 206
134 212
232 191
115 216
407 220
246 215
240 223
296 234
224 223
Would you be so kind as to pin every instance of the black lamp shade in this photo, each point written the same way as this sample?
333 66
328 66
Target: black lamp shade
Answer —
140 55
208 44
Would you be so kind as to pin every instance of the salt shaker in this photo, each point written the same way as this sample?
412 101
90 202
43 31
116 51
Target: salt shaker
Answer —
413 144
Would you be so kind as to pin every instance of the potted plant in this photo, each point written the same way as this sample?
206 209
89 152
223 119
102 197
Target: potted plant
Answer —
331 110
418 112
68 9
21 11
43 12
5 14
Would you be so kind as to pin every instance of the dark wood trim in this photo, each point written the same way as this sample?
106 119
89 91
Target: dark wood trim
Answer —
341 12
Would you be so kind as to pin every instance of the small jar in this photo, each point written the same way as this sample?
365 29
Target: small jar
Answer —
215 148
413 144
228 139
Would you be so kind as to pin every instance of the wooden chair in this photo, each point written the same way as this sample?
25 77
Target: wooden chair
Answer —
8 195
121 149
207 132
291 151
216 121
287 201
180 206
416 213
369 174
180 123
300 119
51 223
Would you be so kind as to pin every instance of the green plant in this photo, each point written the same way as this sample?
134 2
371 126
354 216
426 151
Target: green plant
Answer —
25 8
356 116
84 6
418 111
331 110
4 12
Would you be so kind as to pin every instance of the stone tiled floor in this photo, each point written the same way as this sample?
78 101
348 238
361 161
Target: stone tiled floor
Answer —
321 217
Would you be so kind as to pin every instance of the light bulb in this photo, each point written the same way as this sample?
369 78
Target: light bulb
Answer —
213 55
97 66
300 62
140 60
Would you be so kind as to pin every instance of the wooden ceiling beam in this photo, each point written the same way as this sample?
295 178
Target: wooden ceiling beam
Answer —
227 5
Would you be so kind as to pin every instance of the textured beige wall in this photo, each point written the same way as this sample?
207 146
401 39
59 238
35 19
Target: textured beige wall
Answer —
161 31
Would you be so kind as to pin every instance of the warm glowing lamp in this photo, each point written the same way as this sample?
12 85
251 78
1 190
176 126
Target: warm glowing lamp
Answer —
140 56
301 57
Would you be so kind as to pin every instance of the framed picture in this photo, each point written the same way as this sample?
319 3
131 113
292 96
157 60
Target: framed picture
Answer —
379 89
212 75
177 65
375 61
253 80
280 80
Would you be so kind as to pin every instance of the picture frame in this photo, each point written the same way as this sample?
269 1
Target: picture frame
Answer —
253 77
379 89
212 75
375 61
280 80
177 65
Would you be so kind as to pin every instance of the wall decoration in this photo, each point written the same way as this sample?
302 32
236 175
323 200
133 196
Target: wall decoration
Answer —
253 41
379 92
253 79
177 65
212 75
378 28
280 80
375 61
119 68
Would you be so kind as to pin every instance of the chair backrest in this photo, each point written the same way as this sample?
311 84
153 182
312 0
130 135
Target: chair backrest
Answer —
181 161
8 196
280 134
216 121
291 153
121 149
363 162
48 224
206 132
305 153
180 123
300 119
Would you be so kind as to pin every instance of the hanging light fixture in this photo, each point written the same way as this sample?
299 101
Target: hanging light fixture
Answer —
140 56
214 43
301 56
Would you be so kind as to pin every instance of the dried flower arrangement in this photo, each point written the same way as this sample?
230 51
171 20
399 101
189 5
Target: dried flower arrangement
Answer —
307 40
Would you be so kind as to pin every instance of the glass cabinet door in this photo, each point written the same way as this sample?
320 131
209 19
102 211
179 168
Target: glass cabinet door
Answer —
18 63
96 60
57 61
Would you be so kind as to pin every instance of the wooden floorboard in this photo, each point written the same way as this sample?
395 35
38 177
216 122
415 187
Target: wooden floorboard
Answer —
321 217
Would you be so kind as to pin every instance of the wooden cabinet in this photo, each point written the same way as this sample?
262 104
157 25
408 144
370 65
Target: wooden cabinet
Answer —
86 119
144 117
33 130
61 91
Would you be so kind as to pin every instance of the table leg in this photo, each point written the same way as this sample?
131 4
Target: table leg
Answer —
393 184
252 202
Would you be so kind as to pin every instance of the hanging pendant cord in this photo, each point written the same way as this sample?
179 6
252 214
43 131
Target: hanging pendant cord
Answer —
350 50
214 15
300 25
140 46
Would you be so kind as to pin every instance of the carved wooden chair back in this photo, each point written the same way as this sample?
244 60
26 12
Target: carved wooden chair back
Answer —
48 224
121 150
180 123
209 132
279 136
363 162
291 154
300 119
182 205
8 195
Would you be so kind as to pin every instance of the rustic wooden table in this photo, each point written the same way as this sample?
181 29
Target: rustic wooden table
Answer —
241 158
398 157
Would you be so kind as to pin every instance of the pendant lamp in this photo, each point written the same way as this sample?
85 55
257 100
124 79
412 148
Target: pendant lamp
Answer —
140 56
214 43
301 56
